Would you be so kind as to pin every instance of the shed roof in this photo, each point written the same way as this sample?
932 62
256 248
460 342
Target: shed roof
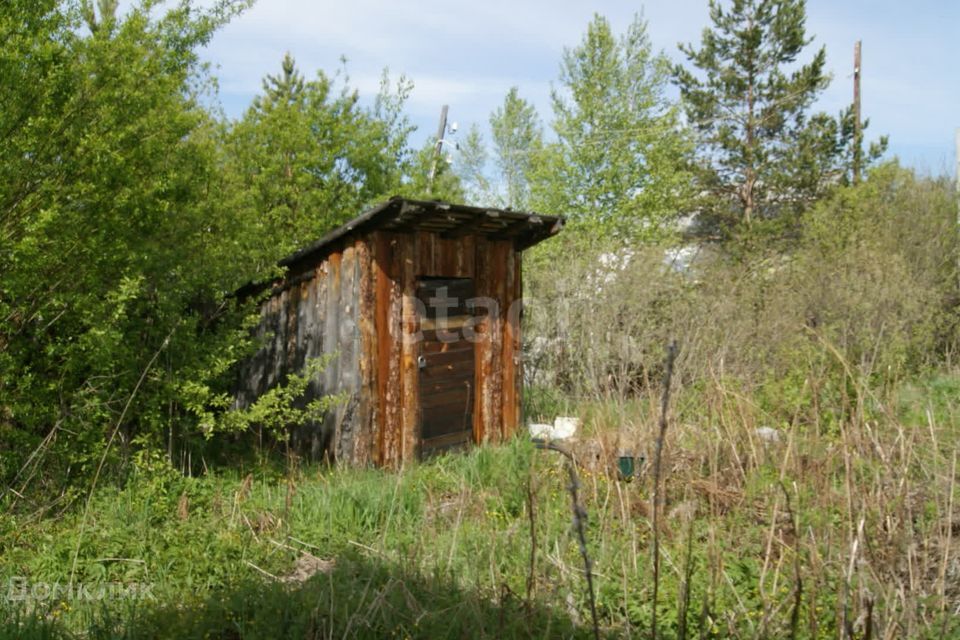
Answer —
449 220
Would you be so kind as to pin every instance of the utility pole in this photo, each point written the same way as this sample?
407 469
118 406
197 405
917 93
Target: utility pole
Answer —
956 184
957 175
438 148
957 193
857 144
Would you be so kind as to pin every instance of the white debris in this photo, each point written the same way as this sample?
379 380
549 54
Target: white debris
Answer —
767 434
566 426
681 259
562 428
611 264
540 430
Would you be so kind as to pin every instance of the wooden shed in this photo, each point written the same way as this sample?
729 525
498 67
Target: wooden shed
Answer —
416 307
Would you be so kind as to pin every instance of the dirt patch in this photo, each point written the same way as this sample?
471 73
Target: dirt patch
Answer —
306 567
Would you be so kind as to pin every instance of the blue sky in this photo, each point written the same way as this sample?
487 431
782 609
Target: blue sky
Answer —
468 55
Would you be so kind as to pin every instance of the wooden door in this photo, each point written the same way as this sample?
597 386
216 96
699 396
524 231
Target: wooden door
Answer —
446 365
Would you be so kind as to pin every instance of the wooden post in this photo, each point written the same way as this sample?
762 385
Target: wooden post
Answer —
438 148
857 143
957 189
958 161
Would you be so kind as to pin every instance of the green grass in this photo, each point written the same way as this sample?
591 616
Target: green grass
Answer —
443 549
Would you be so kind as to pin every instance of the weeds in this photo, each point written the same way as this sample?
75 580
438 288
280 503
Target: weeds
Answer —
579 526
814 535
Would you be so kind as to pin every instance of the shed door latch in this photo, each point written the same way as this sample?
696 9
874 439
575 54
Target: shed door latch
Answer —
422 362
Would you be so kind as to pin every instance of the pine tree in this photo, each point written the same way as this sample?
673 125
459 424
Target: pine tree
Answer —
107 10
307 156
285 95
763 156
852 151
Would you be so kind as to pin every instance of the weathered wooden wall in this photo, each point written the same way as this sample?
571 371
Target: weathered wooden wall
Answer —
357 307
316 313
399 259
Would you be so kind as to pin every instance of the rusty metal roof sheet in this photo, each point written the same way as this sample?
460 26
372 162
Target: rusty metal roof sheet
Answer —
449 220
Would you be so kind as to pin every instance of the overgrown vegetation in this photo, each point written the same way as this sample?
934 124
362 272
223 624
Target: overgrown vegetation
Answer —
795 538
809 467
129 213
871 279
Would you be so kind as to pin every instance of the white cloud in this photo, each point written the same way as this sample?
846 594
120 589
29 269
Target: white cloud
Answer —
467 54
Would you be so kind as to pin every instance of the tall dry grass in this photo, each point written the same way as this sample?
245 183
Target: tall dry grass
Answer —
810 487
